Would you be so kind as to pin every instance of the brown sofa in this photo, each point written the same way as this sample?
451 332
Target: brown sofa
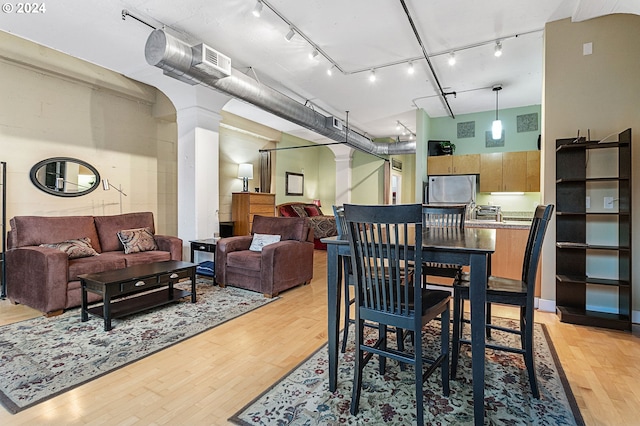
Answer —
47 279
323 225
278 267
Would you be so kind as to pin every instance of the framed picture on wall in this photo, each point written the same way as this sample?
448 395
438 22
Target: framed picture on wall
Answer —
294 183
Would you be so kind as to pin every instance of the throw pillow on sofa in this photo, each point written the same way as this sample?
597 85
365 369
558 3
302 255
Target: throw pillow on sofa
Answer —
312 210
261 240
137 240
76 248
299 209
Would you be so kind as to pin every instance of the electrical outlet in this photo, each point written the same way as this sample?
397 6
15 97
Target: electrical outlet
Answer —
588 203
608 202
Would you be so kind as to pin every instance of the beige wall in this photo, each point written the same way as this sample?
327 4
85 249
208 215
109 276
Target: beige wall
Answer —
54 105
240 142
600 92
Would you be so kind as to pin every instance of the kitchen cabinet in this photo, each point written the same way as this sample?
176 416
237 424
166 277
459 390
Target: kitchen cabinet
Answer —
507 260
245 205
503 172
533 171
468 164
511 242
439 165
593 232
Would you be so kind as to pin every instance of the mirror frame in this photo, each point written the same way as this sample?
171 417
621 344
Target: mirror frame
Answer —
41 187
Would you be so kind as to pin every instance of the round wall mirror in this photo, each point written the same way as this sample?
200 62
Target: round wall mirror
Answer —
64 177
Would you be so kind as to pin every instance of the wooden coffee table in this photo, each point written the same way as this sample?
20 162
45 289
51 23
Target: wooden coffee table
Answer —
135 282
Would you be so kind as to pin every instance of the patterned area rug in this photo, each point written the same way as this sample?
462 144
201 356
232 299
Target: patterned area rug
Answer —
302 397
44 357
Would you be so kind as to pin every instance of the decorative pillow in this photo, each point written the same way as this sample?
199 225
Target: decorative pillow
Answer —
261 240
75 249
287 211
312 210
299 208
137 240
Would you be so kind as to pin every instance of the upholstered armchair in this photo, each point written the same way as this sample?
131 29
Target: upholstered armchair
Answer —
277 267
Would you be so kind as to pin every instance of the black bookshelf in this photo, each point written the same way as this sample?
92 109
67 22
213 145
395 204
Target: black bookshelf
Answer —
574 245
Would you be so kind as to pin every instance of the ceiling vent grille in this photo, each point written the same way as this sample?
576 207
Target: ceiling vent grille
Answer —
210 60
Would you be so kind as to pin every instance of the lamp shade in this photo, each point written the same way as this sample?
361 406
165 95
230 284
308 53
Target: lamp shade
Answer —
317 203
496 129
245 170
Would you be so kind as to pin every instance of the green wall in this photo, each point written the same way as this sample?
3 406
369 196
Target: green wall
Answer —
445 128
367 179
316 163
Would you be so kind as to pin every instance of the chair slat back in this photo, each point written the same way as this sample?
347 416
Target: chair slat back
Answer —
444 216
382 240
541 219
341 222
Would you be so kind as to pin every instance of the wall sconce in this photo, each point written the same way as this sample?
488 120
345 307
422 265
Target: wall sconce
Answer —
245 172
106 187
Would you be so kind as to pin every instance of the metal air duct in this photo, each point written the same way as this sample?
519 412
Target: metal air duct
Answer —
181 61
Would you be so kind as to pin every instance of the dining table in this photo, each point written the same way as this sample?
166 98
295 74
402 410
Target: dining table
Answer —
472 247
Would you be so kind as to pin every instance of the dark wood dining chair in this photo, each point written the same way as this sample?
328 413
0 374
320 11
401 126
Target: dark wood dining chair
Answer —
382 244
509 292
450 216
341 225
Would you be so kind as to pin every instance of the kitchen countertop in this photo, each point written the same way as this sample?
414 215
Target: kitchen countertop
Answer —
505 224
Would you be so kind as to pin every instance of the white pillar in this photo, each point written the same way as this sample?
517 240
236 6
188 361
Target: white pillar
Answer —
343 155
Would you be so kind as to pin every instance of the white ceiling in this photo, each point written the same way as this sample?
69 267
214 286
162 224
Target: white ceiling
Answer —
358 35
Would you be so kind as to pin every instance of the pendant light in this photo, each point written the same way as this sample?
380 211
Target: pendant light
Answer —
496 127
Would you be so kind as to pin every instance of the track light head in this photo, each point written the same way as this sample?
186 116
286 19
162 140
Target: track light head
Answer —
313 54
257 9
452 59
372 76
290 34
411 70
498 49
330 70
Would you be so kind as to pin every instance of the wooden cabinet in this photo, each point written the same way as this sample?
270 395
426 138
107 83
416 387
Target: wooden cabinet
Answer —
491 172
499 171
593 232
503 172
507 260
439 165
245 205
468 164
533 171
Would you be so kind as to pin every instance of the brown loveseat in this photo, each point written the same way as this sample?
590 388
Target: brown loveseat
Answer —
323 225
278 267
47 279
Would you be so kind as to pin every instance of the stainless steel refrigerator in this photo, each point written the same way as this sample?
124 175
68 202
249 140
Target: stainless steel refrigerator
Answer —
455 189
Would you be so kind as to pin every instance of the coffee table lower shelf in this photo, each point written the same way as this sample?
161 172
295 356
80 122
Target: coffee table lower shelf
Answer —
139 303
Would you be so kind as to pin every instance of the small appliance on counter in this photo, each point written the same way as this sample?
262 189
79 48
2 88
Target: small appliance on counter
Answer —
485 212
456 189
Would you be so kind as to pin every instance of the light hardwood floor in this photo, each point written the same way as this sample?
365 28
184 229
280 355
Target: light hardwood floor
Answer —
206 379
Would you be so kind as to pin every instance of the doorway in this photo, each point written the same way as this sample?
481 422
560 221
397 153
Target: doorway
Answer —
395 195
